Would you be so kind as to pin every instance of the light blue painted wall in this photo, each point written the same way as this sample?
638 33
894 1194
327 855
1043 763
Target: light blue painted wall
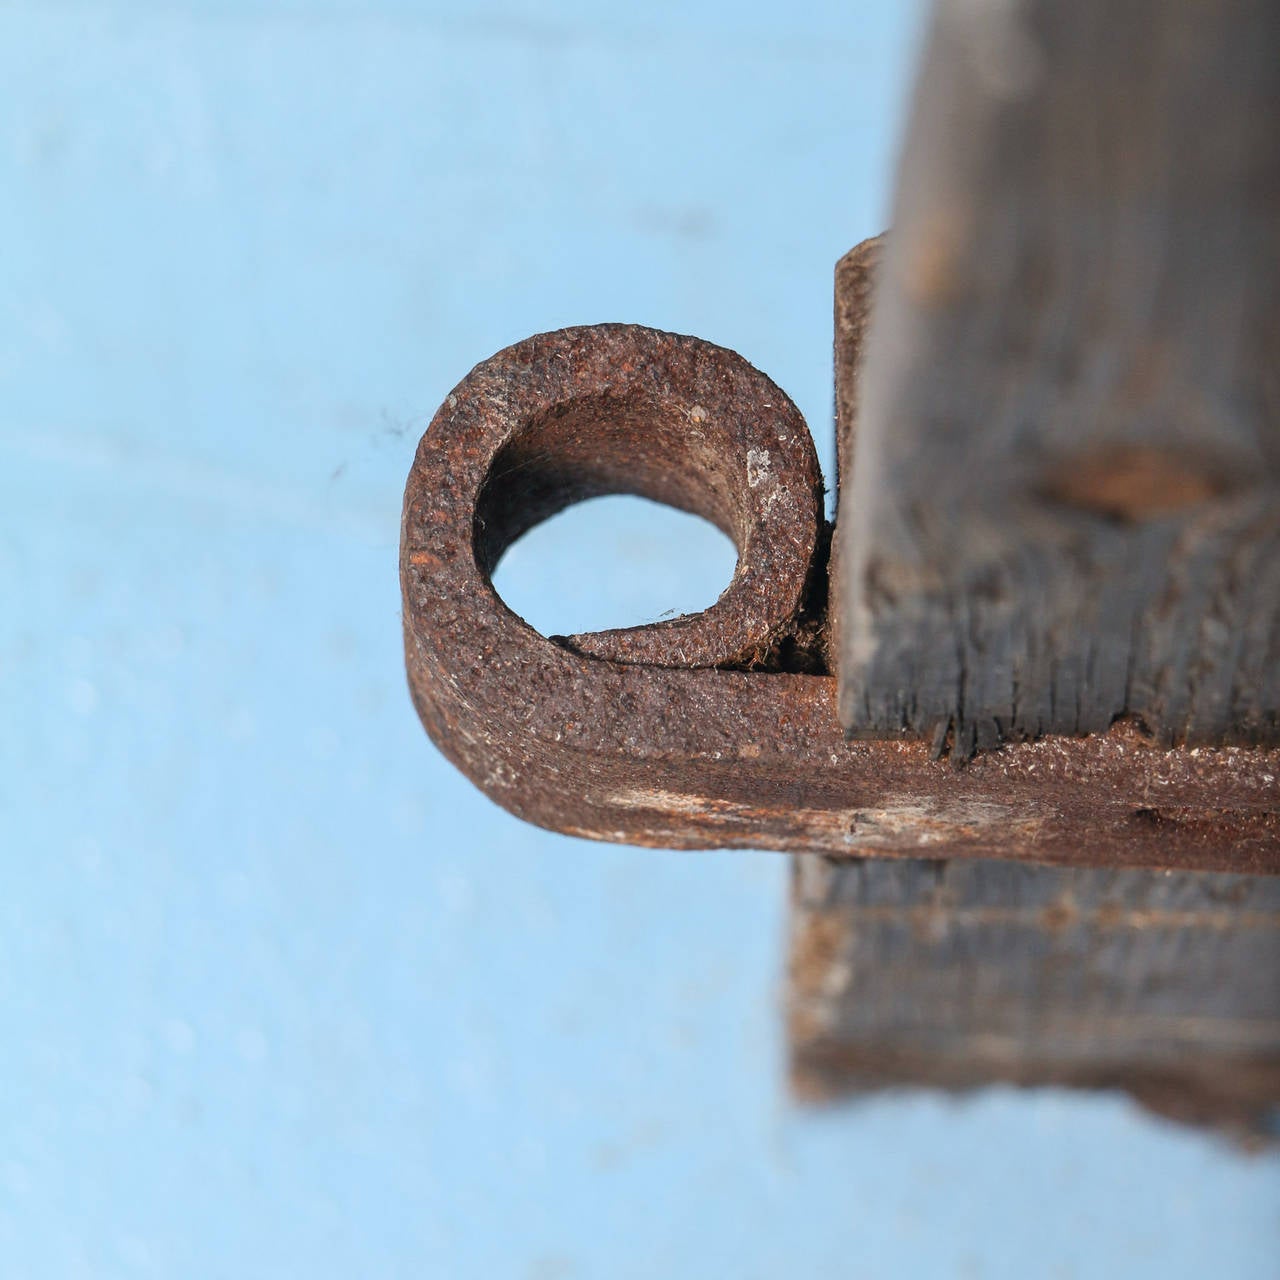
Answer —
280 995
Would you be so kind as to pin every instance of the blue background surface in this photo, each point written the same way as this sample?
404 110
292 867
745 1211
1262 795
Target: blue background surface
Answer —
280 994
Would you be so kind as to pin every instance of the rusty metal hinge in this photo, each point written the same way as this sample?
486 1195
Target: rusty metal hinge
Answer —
720 729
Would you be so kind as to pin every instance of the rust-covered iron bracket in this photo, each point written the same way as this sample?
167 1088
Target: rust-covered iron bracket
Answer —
720 729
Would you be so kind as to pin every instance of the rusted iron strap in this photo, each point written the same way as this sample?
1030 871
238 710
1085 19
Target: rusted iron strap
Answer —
671 734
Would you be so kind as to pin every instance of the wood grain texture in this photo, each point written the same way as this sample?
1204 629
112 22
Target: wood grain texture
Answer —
960 974
1066 496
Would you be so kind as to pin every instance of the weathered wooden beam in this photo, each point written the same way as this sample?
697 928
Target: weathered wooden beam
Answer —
1065 504
961 974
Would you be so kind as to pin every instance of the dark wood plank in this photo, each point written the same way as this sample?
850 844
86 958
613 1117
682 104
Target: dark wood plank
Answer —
1066 496
961 974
